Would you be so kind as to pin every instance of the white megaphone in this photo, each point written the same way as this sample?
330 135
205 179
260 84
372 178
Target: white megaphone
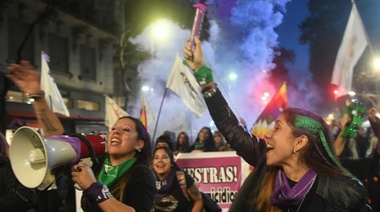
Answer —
33 156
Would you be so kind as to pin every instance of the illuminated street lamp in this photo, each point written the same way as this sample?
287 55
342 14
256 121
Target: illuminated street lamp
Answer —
145 88
160 32
161 29
232 76
376 64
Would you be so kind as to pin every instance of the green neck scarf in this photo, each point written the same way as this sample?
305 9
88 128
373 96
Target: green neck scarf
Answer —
199 145
110 174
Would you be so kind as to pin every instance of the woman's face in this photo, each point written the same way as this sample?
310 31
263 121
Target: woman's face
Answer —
161 162
181 139
217 138
204 135
123 139
280 143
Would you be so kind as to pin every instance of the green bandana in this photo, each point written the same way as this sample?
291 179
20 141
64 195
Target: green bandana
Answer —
199 145
308 124
203 75
110 174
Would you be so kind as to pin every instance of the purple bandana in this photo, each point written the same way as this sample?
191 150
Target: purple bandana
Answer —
284 195
163 187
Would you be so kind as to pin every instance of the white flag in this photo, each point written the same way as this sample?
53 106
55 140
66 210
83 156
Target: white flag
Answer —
352 47
183 83
113 112
52 94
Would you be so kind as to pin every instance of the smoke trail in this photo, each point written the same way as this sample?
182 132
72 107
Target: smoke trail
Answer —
242 38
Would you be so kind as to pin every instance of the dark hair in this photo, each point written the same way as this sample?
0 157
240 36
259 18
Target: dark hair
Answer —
319 153
171 156
4 147
223 141
185 145
209 143
145 154
166 139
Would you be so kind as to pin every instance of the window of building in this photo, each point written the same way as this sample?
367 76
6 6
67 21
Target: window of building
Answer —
17 35
88 105
59 53
16 96
19 97
68 102
87 62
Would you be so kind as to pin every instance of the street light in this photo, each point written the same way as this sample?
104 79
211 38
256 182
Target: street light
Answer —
161 29
376 64
232 76
160 32
145 88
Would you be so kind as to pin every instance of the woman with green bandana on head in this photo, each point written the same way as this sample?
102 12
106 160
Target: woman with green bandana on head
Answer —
295 165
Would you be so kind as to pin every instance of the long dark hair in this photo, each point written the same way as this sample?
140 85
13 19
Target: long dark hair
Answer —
319 153
209 143
171 157
144 155
185 145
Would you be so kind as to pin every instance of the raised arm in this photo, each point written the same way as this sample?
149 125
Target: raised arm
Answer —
339 141
247 146
28 81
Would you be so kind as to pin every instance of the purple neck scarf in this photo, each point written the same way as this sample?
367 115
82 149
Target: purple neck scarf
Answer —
163 187
284 195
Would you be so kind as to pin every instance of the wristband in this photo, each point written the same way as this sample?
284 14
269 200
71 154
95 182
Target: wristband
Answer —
210 92
203 75
35 96
97 193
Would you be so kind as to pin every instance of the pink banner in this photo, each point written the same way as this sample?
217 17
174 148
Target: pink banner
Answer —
219 174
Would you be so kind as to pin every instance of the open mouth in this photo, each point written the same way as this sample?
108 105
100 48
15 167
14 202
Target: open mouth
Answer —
269 147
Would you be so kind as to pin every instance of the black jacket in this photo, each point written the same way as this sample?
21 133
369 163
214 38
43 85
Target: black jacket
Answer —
338 193
368 171
13 195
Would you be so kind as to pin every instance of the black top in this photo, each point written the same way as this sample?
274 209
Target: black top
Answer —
338 193
311 203
368 171
175 201
139 190
14 197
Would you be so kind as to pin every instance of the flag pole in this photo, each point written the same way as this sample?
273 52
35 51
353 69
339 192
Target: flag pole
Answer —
222 86
159 114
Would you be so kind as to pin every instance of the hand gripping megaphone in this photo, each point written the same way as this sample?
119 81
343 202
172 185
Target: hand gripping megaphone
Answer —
33 156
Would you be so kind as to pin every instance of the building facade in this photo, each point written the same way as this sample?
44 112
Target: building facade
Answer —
81 39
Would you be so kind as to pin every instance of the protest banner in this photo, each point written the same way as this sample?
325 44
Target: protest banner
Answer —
219 174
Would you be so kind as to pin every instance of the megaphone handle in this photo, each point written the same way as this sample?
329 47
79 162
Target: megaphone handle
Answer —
89 146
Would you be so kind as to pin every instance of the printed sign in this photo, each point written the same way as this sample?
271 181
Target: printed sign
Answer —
219 174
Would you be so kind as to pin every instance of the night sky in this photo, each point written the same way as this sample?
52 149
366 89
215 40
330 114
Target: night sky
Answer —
289 33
